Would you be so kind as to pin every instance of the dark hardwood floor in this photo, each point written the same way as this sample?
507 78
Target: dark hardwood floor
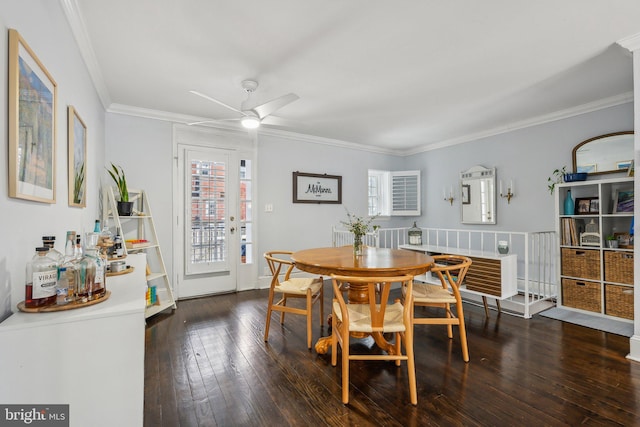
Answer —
206 364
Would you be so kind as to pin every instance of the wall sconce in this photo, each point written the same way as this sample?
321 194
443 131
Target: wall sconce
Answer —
449 199
510 191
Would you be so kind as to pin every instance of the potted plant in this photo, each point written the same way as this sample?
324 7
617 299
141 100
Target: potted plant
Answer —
557 177
125 207
612 242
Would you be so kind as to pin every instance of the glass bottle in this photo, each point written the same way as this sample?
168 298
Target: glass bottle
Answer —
569 207
49 242
96 226
118 247
78 249
92 270
415 235
66 287
41 280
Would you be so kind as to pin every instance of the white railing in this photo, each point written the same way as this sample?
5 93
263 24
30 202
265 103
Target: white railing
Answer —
536 252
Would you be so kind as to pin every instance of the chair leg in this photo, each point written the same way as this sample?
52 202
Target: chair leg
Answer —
269 312
463 334
449 328
284 303
398 347
321 304
334 340
345 367
411 367
309 313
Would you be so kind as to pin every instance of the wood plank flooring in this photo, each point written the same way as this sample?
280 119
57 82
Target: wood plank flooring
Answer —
206 364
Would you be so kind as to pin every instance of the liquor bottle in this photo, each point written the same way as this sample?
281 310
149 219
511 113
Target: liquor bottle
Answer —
92 270
49 242
70 245
118 247
96 226
41 280
67 279
78 249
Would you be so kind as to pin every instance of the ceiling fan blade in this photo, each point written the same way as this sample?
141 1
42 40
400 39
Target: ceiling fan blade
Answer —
277 121
212 121
208 98
269 107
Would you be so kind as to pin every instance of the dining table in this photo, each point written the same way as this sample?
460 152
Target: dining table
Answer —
373 262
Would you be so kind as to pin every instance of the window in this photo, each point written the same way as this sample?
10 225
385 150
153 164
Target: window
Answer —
394 193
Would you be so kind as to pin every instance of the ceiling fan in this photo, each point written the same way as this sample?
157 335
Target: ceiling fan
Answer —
252 117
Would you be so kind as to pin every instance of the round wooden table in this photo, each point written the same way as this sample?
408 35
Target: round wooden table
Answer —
373 262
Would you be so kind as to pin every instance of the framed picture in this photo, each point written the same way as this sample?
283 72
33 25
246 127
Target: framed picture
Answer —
624 165
32 125
466 194
317 188
587 205
77 152
623 201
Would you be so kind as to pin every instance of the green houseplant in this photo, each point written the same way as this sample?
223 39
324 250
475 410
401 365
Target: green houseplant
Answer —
118 176
557 177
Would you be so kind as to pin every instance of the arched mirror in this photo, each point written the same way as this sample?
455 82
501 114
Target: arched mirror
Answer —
478 195
608 153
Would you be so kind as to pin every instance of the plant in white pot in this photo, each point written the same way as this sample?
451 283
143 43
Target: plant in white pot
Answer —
125 207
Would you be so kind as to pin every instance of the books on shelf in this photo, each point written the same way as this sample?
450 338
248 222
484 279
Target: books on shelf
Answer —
136 243
569 233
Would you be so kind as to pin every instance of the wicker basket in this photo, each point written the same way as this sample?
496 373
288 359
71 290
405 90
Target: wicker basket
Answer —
618 267
583 263
581 294
618 301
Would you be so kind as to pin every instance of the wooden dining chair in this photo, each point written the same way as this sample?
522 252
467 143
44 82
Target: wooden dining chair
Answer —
308 288
451 270
376 317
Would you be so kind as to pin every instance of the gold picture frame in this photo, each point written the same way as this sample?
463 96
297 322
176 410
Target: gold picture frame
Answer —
77 152
32 125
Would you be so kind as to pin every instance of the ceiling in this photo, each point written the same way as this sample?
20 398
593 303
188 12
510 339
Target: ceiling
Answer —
400 76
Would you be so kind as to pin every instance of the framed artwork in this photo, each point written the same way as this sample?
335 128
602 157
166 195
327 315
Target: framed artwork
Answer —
587 206
623 201
317 188
77 152
625 164
32 125
466 194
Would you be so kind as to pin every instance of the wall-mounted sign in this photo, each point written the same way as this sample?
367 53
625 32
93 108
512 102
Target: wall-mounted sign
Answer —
317 188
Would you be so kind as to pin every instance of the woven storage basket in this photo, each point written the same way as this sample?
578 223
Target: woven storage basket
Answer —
581 294
618 267
583 263
618 301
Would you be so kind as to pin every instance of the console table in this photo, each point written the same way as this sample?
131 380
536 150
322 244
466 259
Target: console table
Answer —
91 358
491 274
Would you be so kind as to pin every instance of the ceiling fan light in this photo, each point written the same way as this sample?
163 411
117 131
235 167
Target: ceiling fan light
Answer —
250 122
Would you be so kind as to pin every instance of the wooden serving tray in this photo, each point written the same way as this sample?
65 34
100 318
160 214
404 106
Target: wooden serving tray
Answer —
128 270
53 308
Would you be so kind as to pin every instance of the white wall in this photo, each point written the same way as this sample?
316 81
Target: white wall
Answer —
528 156
45 29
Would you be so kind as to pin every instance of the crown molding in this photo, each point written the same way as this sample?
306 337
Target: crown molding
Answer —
83 41
631 43
589 107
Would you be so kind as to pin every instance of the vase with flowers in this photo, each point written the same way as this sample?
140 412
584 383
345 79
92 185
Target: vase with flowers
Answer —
359 226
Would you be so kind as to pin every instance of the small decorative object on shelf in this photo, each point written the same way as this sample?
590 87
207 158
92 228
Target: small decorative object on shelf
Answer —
415 235
557 177
503 247
612 242
569 206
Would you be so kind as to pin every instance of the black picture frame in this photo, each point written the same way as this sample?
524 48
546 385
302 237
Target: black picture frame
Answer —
587 205
317 188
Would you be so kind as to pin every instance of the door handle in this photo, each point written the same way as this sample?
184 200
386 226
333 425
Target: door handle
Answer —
232 229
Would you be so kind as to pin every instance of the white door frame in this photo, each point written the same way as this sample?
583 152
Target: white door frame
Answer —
241 144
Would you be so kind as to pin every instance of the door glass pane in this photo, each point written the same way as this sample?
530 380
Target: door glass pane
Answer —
208 232
246 236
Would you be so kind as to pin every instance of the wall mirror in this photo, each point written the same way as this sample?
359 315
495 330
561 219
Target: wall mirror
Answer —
608 153
478 195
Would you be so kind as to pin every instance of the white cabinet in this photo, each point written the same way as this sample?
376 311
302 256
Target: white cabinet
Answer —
91 358
139 234
594 277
